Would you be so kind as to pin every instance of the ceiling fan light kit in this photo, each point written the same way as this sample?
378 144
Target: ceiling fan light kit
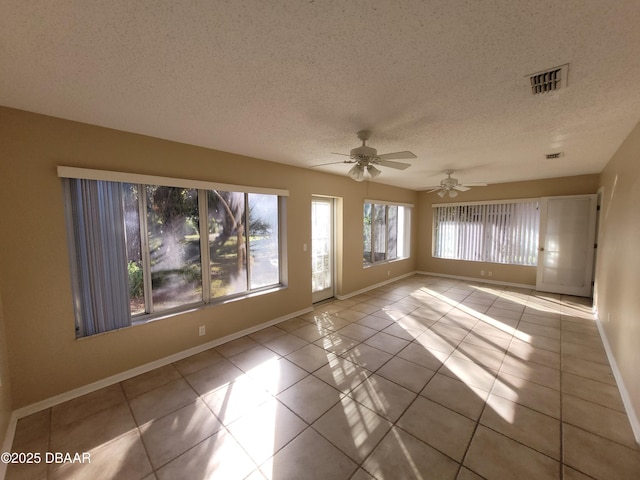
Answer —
373 171
357 172
452 193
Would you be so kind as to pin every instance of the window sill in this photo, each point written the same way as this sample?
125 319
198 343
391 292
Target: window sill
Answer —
142 319
383 262
152 317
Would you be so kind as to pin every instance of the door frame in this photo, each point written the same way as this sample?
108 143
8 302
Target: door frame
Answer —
330 292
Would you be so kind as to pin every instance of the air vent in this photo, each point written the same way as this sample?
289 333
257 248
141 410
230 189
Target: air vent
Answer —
551 156
549 80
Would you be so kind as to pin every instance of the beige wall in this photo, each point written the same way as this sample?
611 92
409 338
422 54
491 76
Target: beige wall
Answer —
582 184
5 384
618 263
45 359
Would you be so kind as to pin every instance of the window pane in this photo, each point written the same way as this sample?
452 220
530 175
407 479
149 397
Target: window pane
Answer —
379 232
392 239
134 249
367 233
227 244
263 239
404 221
322 244
386 229
174 246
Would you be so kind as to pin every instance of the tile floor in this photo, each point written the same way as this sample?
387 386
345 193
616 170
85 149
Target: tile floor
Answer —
423 378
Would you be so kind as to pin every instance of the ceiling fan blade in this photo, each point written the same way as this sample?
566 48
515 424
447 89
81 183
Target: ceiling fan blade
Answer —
390 164
331 163
433 188
397 156
475 184
336 153
461 188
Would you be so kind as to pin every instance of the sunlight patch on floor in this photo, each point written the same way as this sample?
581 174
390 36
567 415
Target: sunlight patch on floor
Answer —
441 348
267 374
362 421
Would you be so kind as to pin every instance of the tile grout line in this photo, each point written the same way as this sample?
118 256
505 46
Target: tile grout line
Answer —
560 463
484 406
144 445
562 437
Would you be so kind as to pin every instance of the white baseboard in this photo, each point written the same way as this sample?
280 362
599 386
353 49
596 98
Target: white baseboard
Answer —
432 274
147 367
624 393
371 287
478 280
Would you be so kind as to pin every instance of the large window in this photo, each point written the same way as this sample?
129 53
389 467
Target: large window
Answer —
143 249
499 232
386 232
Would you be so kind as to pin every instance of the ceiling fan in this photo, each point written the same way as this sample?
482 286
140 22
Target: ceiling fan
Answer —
450 185
365 159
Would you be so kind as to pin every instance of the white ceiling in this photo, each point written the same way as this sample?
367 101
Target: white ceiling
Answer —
292 81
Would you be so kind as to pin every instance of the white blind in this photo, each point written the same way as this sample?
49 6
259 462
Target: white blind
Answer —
505 232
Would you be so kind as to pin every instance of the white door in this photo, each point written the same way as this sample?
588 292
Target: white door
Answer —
567 241
322 245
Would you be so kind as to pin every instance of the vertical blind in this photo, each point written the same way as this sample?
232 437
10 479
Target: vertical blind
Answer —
99 259
504 232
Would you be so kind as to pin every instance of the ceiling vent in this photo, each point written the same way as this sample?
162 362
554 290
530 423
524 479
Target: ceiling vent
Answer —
549 80
551 156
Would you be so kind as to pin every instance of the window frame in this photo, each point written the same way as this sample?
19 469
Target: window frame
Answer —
202 188
405 249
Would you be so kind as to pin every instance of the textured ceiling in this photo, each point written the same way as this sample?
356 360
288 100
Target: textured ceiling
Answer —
292 81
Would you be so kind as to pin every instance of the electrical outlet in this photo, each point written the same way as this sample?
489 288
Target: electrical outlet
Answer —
482 272
491 274
388 273
202 330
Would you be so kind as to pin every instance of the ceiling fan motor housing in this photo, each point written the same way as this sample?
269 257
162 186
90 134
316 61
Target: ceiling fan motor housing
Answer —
449 183
363 153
